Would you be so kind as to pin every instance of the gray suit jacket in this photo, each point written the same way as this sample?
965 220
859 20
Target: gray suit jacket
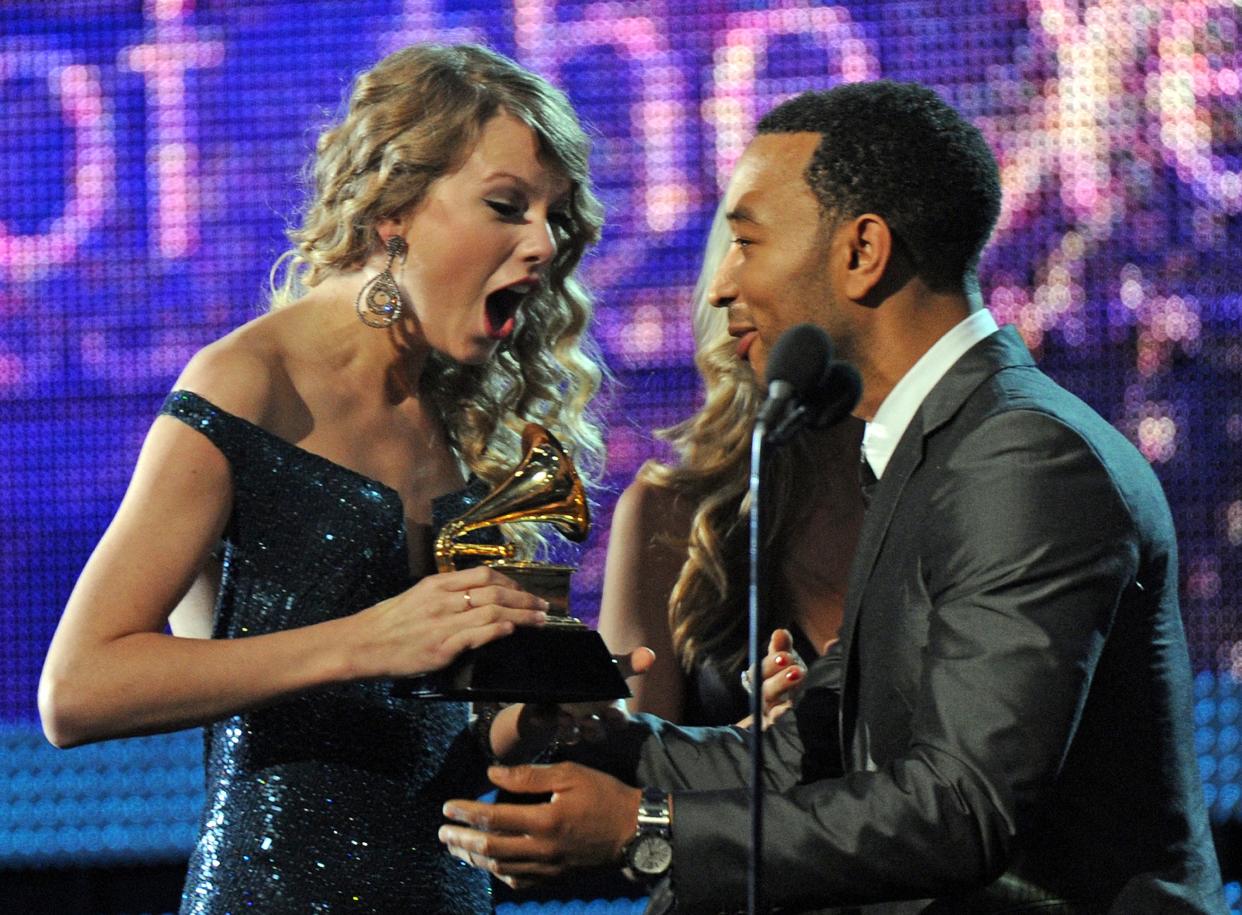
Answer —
1007 725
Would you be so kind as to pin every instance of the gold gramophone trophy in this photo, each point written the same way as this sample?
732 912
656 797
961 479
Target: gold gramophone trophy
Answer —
563 661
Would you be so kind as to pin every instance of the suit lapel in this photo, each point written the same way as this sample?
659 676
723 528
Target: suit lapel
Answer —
884 498
995 352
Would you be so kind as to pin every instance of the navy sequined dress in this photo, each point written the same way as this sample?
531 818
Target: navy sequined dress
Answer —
330 801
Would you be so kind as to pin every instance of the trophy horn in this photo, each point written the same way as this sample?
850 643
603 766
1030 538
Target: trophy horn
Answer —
544 487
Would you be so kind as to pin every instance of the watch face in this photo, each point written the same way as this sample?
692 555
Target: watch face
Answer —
651 854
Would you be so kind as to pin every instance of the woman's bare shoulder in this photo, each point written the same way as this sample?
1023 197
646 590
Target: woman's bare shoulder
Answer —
243 372
652 510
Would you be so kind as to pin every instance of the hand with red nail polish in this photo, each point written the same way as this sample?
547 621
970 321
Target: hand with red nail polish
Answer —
783 673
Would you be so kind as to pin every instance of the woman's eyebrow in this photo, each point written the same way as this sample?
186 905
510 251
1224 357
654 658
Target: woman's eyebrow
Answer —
533 190
526 185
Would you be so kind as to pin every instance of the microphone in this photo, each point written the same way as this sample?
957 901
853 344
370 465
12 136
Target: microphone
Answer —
798 366
807 386
833 401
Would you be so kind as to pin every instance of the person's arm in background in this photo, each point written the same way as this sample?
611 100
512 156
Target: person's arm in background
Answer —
645 556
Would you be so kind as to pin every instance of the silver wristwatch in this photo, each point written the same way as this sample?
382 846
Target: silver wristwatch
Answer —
649 855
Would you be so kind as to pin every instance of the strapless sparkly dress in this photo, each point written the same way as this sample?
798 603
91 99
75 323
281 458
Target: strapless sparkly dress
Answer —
328 802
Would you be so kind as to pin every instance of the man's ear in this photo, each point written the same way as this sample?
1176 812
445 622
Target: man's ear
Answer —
868 244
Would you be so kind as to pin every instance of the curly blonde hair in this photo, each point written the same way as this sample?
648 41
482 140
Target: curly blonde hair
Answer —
410 119
707 607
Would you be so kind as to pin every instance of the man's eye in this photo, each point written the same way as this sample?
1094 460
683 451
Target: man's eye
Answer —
741 242
506 210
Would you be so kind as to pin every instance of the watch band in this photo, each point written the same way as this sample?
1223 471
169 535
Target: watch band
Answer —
654 811
649 854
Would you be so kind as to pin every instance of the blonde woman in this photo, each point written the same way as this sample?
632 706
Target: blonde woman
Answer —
283 500
676 577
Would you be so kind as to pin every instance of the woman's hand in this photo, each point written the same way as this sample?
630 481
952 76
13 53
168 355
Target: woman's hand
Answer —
784 672
426 627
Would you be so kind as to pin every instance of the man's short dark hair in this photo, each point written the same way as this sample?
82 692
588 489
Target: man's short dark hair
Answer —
900 151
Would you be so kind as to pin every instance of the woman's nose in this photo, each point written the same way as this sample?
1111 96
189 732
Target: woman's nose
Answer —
539 245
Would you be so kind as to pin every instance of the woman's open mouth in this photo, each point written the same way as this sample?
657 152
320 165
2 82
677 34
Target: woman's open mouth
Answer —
500 309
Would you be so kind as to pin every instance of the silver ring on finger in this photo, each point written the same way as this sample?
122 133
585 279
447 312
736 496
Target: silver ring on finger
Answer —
469 602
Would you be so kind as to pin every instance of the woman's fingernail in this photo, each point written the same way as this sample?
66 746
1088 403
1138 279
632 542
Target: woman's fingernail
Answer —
781 660
793 674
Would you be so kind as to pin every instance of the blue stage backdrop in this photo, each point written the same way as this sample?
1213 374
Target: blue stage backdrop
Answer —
150 158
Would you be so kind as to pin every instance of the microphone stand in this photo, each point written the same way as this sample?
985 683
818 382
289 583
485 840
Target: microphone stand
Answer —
783 429
800 366
757 611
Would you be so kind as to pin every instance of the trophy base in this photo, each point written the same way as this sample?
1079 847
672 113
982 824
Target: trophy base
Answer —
563 661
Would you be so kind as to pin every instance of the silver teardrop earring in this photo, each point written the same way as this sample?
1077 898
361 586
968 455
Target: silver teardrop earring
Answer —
379 300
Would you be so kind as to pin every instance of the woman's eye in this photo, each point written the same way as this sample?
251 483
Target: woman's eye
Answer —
505 209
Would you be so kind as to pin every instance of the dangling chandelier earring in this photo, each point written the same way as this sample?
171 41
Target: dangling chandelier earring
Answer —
379 300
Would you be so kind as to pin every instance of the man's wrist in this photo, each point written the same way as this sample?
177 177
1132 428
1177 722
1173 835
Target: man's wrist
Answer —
482 718
512 734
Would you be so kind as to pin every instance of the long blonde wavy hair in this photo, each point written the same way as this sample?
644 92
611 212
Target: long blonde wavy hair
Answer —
410 119
707 607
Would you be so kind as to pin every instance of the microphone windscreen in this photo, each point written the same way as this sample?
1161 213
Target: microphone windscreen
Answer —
837 397
801 358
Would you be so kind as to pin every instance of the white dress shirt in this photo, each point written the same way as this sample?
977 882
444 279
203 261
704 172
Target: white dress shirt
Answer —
882 434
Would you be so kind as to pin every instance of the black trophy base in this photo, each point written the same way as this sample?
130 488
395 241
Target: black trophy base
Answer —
555 663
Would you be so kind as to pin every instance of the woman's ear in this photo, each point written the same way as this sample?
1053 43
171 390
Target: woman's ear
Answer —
869 247
386 228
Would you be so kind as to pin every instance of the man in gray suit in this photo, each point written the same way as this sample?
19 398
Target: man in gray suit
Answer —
1006 725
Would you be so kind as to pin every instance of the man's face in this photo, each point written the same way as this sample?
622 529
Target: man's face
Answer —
775 274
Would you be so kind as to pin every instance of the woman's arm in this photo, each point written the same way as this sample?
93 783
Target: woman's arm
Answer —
113 671
110 669
642 568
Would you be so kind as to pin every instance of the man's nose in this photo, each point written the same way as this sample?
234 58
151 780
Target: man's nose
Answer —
723 289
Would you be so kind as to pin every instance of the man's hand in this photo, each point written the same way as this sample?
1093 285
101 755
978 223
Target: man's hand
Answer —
521 731
588 822
591 721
